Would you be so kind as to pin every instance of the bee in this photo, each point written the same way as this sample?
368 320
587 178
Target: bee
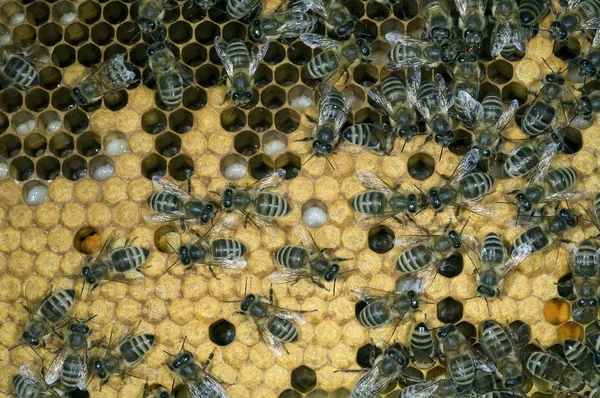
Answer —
150 15
494 264
240 68
27 384
312 262
256 203
503 347
156 391
50 315
195 377
588 62
592 337
129 352
530 13
467 76
204 4
554 370
585 271
388 368
486 119
543 113
422 347
336 57
432 102
436 388
507 27
114 74
70 366
238 9
383 201
471 22
376 138
276 325
586 109
461 358
115 263
285 25
410 52
581 358
579 15
535 154
171 76
439 26
334 15
392 99
17 65
173 203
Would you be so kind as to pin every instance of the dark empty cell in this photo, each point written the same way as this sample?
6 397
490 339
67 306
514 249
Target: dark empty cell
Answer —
76 34
567 50
584 317
10 146
467 330
115 12
10 100
290 163
221 332
37 13
420 166
488 88
500 71
62 145
377 11
62 100
180 32
304 379
76 121
462 143
154 121
449 310
367 115
260 119
572 139
381 239
35 144
234 30
138 55
194 98
181 121
149 80
565 287
451 266
246 143
318 394
181 168
414 27
63 55
37 100
263 76
217 13
273 97
340 393
127 33
366 354
233 119
290 394
154 165
367 29
78 394
23 33
21 168
356 8
406 9
88 144
514 91
50 34
89 55
206 32
103 34
275 54
74 168
207 76
299 53
83 234
213 57
47 168
116 100
390 25
168 144
287 120
89 12
3 122
365 75
286 75
193 54
485 54
260 166
50 78
192 12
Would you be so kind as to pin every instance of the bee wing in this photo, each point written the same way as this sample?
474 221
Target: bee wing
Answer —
481 210
165 217
501 36
465 166
520 39
596 41
208 387
412 240
518 339
55 368
257 57
289 315
446 101
111 64
228 263
591 23
507 115
317 7
379 99
308 240
273 343
567 195
461 6
187 76
221 49
164 184
314 40
268 182
428 391
368 294
482 361
542 167
473 110
406 40
371 181
30 376
368 221
82 372
289 276
371 384
412 90
341 117
265 225
518 255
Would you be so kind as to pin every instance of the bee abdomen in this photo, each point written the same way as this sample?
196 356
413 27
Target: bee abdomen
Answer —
21 72
534 237
228 248
57 305
585 260
463 371
284 330
522 162
495 339
271 205
134 349
476 185
400 52
293 257
374 314
361 134
414 259
529 10
393 89
237 9
370 202
24 388
238 53
493 250
539 364
561 179
537 118
170 89
322 65
70 372
129 258
492 107
164 202
421 339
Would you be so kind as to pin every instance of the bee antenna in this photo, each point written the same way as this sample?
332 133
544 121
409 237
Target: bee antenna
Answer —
183 345
441 152
135 36
37 353
246 287
548 65
328 161
419 189
90 318
309 158
15 346
168 353
175 251
464 226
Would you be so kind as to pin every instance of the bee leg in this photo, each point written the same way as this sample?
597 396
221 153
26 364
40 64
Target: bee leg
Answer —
271 295
210 357
305 139
183 225
213 272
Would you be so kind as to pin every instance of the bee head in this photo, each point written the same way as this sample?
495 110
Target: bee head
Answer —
440 35
397 355
434 198
321 148
523 201
180 360
558 31
555 78
345 30
584 107
444 138
242 98
227 201
331 272
444 331
209 213
455 238
408 133
414 204
570 217
78 96
31 340
99 369
485 291
145 24
155 47
365 48
255 30
586 68
247 301
184 255
87 275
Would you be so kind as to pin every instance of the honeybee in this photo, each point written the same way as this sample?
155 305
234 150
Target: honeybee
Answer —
17 65
579 15
436 388
439 26
554 370
507 27
336 57
173 203
393 101
334 15
240 68
588 62
581 358
156 391
171 76
586 109
115 263
383 201
28 384
376 138
204 4
530 13
310 261
285 25
585 271
195 377
112 75
535 154
150 15
467 76
238 9
472 22
544 112
410 52
422 347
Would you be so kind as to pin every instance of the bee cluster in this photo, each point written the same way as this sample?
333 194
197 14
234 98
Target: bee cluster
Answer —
420 93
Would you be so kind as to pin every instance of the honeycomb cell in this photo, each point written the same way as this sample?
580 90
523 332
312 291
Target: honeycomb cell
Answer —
304 379
49 122
234 30
154 165
207 76
300 97
154 121
3 122
260 166
10 146
287 120
420 166
23 33
381 239
10 100
263 75
62 145
76 34
462 143
449 310
573 142
286 75
138 55
50 78
246 143
377 11
274 143
63 55
35 192
89 12
366 354
89 55
115 12
488 88
35 145
406 10
127 33
88 144
299 53
513 91
451 266
217 14
74 168
314 213
12 13
62 100
102 168
290 394
181 168
181 121
467 330
233 167
103 34
180 32
273 97
275 54
500 71
192 12
365 75
50 34
290 163
86 240
37 100
194 98
340 393
233 119
367 115
22 122
221 332
21 168
556 311
116 100
260 119
38 13
76 121
567 50
115 49
47 168
206 32
168 144
193 54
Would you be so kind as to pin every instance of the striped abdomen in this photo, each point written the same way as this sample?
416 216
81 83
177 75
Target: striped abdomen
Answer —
393 90
534 237
135 348
70 371
429 94
414 259
164 202
362 134
462 370
591 7
238 54
496 340
238 9
531 11
293 257
322 65
55 307
585 263
369 202
271 205
537 118
560 179
129 258
331 105
493 250
20 72
400 52
170 89
543 365
421 341
578 354
25 389
492 107
475 185
520 163
118 74
374 314
283 329
228 248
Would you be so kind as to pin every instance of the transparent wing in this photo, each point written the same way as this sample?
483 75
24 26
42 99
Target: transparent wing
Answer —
273 343
294 21
82 372
257 57
542 167
165 217
55 368
107 247
421 390
465 166
317 7
501 36
224 224
446 101
413 240
289 276
412 90
406 40
482 361
426 277
30 376
205 386
221 49
369 294
286 314
596 41
235 263
264 224
461 6
567 195
380 100
520 39
507 115
368 221
308 240
477 208
591 23
518 255
314 40
371 181
341 116
186 75
111 64
268 182
371 384
163 184
473 110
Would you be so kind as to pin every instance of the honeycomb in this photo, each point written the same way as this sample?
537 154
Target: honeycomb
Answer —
47 141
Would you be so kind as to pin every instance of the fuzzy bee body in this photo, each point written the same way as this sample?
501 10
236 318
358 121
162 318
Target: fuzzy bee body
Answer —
467 76
371 136
238 9
429 252
198 382
171 77
541 114
502 348
17 68
410 52
438 23
28 384
128 354
553 370
422 346
540 238
51 312
388 368
579 15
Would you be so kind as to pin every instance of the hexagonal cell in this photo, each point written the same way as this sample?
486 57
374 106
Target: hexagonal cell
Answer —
89 12
102 168
168 144
180 32
79 394
500 71
23 33
88 144
10 100
299 53
287 120
286 75
37 100
273 97
154 165
365 75
21 168
406 10
116 49
412 374
193 54
513 91
564 287
181 168
436 372
462 143
10 146
37 13
138 55
234 30
567 50
304 379
49 122
521 329
290 394
194 98
115 12
274 143
367 115
86 240
12 13
570 331
365 355
217 15
74 168
35 192
76 121
127 33
556 311
154 121
181 121
63 12
50 78
3 123
318 394
467 330
62 145
103 34
192 12
391 25
488 88
246 143
260 166
449 310
377 11
233 167
573 142
451 266
314 213
50 34
221 332
300 97
381 239
206 32
260 119
233 119
208 76
62 100
340 393
290 163
47 168
420 166
63 55
263 76
89 55
585 316
275 54
116 100
35 145
22 122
